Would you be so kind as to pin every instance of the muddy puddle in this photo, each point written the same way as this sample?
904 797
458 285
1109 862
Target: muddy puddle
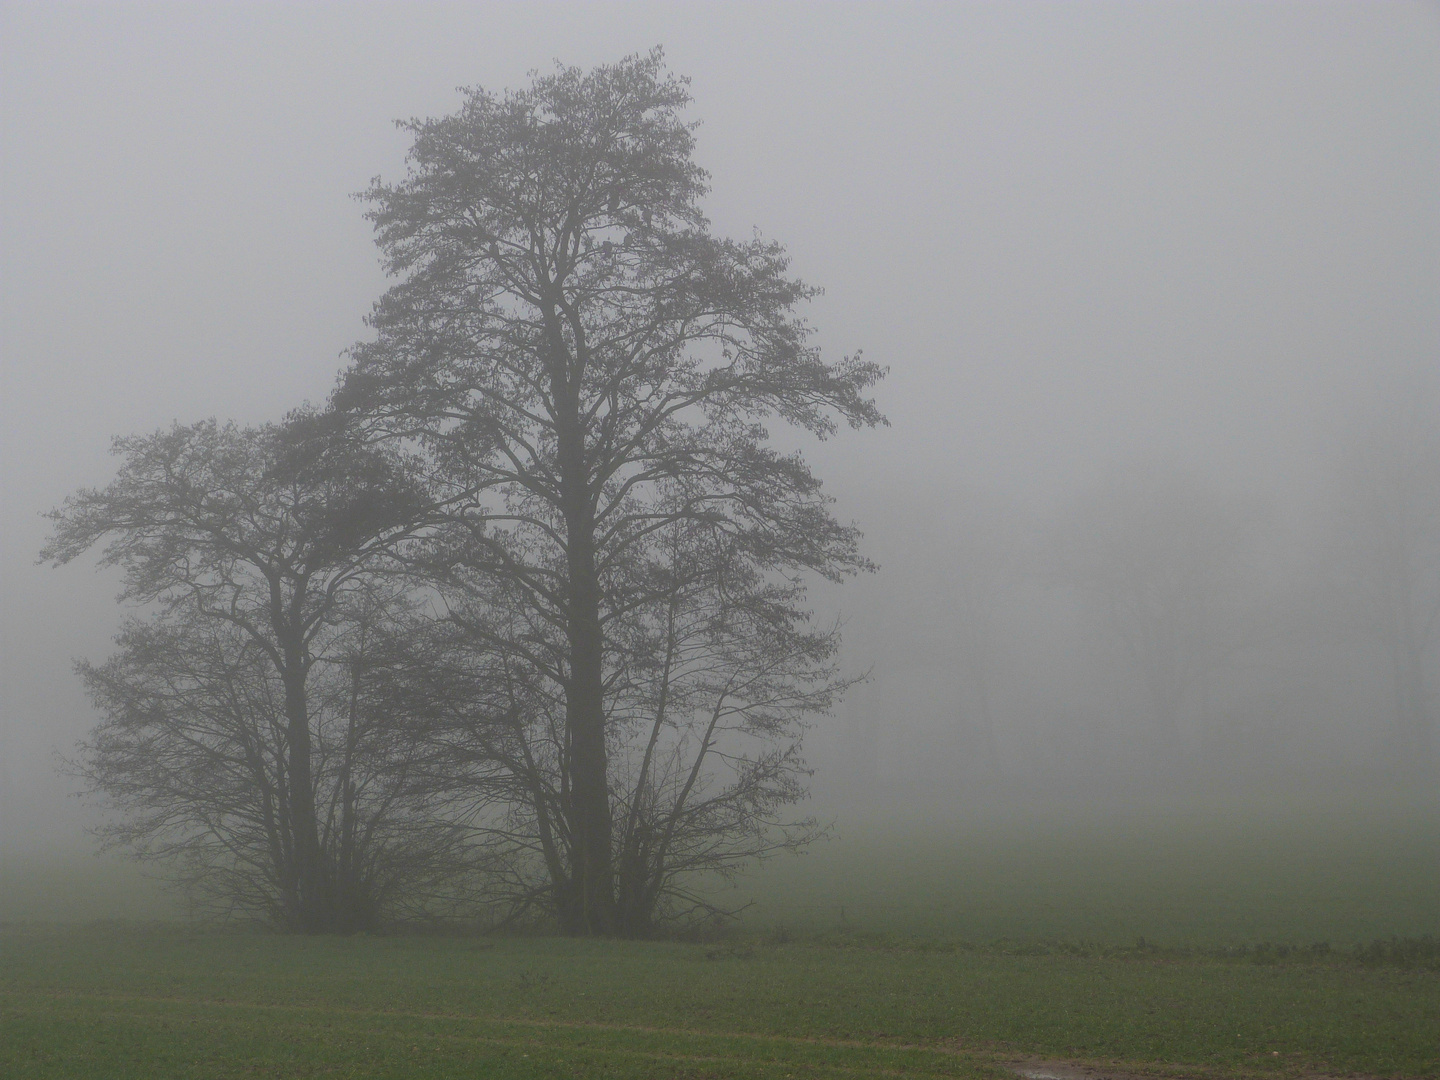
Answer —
1061 1070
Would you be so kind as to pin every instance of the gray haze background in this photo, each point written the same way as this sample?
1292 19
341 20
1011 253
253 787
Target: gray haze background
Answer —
1091 241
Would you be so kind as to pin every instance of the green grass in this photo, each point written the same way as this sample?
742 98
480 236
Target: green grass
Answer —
888 989
125 1001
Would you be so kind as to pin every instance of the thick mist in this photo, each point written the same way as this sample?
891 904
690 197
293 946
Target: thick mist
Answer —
1158 510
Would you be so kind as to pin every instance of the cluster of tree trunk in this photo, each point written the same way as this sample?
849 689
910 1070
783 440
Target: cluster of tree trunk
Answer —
521 614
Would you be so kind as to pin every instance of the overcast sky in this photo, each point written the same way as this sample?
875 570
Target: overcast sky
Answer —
1074 232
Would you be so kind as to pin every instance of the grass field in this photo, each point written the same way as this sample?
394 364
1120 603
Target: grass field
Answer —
118 1002
958 952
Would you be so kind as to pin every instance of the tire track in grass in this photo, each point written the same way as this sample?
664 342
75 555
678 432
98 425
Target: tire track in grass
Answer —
950 1059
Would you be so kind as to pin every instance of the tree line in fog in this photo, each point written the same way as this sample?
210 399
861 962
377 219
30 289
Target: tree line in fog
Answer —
1165 620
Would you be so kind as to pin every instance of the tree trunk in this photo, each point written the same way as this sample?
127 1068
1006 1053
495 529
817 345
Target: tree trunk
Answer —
588 905
589 781
309 871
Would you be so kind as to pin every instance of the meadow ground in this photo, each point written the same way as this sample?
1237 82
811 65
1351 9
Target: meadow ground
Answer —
118 1002
958 952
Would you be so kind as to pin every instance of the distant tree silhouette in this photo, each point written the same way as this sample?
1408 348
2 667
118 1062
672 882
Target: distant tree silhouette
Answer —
1165 561
1384 501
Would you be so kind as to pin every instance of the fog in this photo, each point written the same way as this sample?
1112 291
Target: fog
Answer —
1158 287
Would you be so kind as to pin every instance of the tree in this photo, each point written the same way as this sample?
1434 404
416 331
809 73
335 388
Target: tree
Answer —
976 582
585 366
259 546
1165 561
1384 499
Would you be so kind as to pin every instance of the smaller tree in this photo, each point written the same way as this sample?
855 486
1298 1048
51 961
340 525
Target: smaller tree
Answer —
259 546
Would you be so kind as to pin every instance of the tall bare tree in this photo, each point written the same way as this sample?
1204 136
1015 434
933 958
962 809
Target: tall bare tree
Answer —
585 365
